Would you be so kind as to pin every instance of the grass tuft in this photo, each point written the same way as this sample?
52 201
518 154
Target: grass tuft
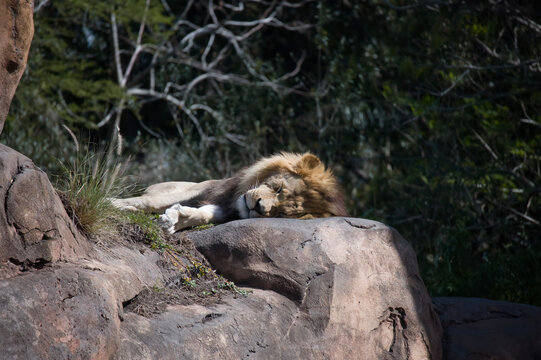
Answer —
85 186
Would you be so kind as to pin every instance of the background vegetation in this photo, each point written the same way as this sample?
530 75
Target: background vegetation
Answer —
429 111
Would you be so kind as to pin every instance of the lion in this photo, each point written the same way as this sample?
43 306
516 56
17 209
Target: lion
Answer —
285 185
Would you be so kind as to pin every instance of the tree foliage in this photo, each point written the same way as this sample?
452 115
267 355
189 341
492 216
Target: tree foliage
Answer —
429 111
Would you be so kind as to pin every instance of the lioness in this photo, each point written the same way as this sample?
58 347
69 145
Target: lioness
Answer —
285 185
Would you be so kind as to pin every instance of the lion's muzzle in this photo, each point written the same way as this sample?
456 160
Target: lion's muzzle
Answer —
260 201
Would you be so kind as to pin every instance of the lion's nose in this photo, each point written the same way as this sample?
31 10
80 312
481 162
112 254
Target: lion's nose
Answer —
257 207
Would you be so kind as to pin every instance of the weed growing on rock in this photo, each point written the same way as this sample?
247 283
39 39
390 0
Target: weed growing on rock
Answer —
147 223
202 227
85 186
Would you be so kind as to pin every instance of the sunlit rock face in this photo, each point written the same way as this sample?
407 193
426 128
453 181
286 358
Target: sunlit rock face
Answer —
336 288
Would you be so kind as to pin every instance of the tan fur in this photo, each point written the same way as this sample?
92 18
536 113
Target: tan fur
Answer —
284 185
317 194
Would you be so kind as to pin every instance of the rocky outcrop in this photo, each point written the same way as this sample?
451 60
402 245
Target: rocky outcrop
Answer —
330 288
343 303
335 289
487 329
34 227
16 32
60 295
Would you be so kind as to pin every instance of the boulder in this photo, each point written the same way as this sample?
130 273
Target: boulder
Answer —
336 288
16 32
476 329
34 226
73 310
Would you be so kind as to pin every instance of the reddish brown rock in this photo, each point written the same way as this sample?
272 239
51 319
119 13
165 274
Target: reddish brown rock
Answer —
252 327
34 226
355 283
73 310
322 289
479 329
16 32
60 313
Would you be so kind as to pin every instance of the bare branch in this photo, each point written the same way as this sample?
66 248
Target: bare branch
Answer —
493 53
215 114
528 119
207 50
138 47
286 4
195 34
205 44
233 7
212 13
106 118
186 9
167 7
116 48
143 22
524 216
296 70
529 23
489 149
41 5
73 137
446 91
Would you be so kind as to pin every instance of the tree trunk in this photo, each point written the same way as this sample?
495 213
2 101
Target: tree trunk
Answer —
16 32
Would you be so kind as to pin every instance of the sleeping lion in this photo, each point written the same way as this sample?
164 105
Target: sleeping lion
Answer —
285 186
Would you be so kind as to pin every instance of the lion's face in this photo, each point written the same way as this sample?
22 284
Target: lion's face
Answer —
303 189
279 195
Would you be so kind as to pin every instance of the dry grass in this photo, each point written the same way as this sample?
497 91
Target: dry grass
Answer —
86 185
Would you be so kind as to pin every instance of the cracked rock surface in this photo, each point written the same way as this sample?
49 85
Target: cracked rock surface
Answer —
34 227
477 329
324 289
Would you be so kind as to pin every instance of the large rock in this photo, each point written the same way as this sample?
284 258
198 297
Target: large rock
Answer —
350 289
73 310
34 227
16 32
322 289
478 329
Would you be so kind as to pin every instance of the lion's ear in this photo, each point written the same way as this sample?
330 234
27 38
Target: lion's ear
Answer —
309 162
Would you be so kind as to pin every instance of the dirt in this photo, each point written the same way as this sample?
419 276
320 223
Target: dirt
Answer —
190 278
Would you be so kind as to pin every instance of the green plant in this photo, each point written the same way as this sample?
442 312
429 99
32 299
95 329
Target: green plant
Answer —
147 223
230 285
203 227
199 270
189 282
85 186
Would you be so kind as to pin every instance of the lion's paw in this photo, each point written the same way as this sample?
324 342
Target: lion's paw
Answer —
167 223
177 217
168 220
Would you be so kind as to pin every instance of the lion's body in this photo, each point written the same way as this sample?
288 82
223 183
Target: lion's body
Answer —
284 185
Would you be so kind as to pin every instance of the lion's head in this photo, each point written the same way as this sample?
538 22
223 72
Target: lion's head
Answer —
292 186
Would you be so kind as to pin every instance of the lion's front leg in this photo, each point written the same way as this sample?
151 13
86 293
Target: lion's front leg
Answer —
179 217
